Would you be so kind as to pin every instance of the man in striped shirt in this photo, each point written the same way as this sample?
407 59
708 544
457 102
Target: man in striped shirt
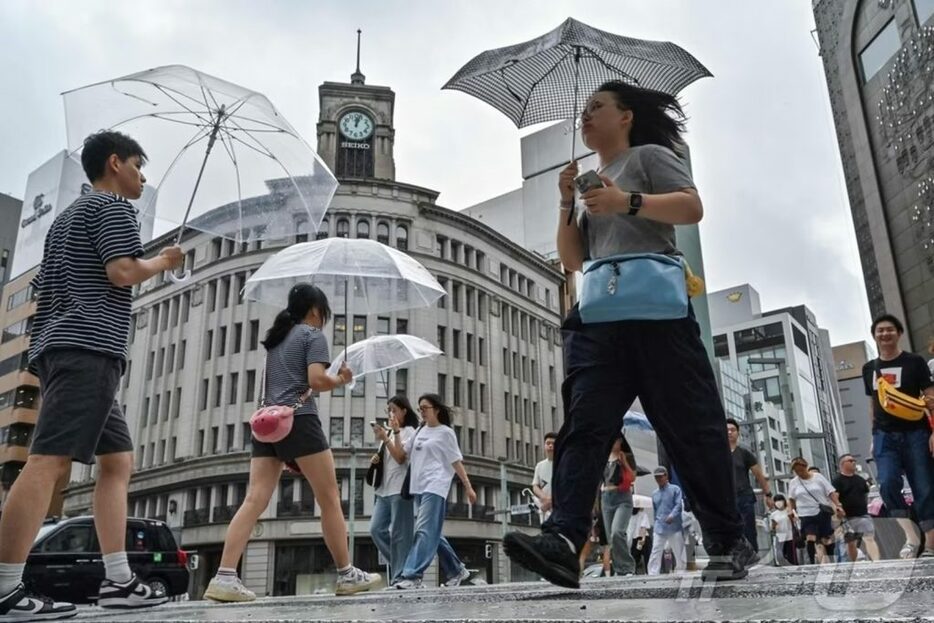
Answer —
92 257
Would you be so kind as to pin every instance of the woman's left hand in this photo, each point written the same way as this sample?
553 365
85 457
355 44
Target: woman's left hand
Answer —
471 495
380 433
605 201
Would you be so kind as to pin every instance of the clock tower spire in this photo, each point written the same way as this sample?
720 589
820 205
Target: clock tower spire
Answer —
355 127
357 77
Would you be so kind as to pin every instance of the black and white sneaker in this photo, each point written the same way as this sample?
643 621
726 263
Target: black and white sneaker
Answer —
133 594
18 606
546 554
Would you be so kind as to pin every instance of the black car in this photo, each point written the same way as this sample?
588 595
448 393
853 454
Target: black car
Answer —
65 562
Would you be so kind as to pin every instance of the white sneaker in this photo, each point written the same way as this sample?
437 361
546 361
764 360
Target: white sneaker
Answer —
458 579
228 590
18 606
132 594
356 581
908 551
405 585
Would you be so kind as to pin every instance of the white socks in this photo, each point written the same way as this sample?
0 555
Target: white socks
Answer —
226 574
116 568
11 575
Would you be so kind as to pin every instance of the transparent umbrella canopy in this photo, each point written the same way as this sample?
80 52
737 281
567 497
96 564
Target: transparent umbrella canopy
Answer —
384 352
375 276
221 157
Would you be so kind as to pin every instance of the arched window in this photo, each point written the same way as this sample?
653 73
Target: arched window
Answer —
402 238
363 229
301 228
343 228
322 230
382 232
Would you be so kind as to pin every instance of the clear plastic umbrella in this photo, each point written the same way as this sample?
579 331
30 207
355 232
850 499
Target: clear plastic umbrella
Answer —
637 421
384 352
262 181
380 278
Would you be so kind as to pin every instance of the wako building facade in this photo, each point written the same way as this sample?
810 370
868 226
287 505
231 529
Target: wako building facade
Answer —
877 56
196 357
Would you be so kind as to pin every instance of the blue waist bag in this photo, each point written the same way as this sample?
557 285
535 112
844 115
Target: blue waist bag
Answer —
634 286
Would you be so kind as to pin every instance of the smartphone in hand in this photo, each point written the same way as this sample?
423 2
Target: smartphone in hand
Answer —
588 181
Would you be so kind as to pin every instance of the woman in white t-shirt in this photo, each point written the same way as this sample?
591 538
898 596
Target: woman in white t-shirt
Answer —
815 501
434 457
393 523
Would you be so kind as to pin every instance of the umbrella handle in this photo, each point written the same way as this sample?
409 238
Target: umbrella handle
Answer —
182 278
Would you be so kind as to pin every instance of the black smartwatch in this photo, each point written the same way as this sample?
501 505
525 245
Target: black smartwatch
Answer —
635 203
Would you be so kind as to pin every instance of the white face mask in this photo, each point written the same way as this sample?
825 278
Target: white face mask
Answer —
779 505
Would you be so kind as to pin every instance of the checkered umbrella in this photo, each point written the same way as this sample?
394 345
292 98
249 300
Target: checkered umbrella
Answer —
551 77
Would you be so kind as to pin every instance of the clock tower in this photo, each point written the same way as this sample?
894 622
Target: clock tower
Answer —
355 132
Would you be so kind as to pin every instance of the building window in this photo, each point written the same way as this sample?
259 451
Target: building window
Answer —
483 403
359 328
382 326
343 228
402 237
456 296
455 343
470 395
402 381
402 326
442 335
356 432
442 300
203 401
442 387
218 390
234 387
208 342
340 331
250 385
363 229
222 342
337 432
382 232
457 391
882 48
481 352
359 388
322 230
237 337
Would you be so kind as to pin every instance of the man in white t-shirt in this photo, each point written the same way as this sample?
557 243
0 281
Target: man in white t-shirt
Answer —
541 481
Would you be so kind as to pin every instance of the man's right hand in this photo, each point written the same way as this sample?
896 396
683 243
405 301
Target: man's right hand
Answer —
566 182
173 257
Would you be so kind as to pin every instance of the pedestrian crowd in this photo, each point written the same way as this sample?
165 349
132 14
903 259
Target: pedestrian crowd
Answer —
628 337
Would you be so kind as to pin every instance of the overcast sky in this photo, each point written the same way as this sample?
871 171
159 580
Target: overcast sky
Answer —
763 146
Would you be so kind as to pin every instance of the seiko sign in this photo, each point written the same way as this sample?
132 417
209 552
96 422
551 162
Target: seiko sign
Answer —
354 145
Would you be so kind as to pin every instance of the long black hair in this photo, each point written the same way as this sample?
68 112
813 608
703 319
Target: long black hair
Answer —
657 118
303 297
409 419
444 411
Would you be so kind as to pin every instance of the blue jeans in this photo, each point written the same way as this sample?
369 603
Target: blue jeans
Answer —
393 530
746 505
617 511
906 452
429 521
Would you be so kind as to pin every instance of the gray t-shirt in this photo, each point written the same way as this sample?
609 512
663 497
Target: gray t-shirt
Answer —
287 367
650 169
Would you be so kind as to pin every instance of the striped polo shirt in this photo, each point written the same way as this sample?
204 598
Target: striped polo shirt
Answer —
287 367
78 306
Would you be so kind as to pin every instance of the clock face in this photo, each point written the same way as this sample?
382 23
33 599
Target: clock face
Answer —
356 126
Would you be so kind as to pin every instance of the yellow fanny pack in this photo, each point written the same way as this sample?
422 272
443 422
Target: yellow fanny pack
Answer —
897 403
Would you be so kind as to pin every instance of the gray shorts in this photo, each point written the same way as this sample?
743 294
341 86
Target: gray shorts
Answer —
79 416
858 527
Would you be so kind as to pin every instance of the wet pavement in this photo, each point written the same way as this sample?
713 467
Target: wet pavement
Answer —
888 591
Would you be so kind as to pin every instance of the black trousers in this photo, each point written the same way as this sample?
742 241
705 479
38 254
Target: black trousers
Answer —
664 363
